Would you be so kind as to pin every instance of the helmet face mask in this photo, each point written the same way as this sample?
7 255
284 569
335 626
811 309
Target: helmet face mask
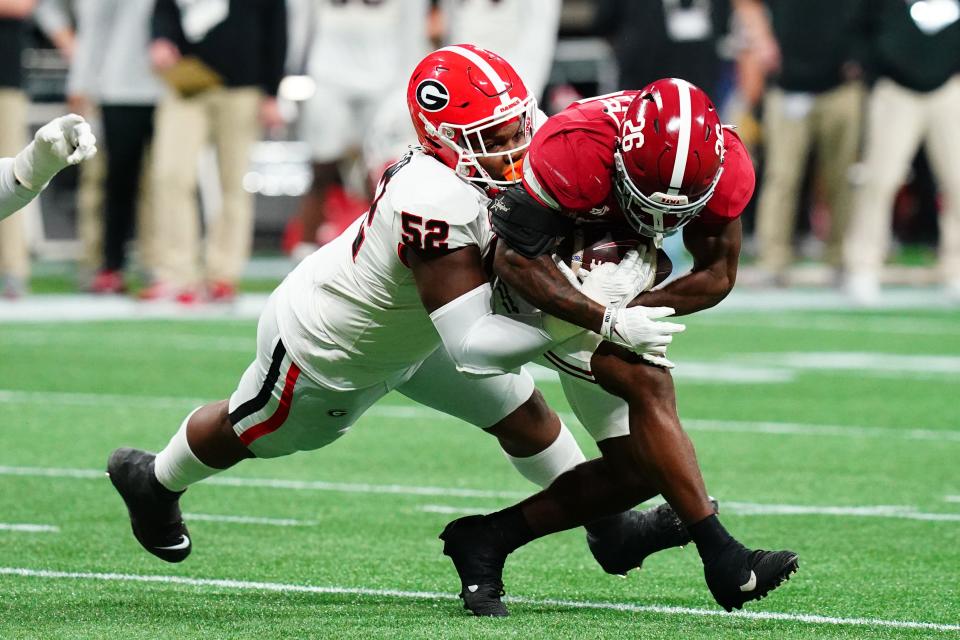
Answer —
669 156
457 97
658 214
468 142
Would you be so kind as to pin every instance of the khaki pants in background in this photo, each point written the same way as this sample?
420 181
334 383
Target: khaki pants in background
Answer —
183 128
792 124
898 121
14 251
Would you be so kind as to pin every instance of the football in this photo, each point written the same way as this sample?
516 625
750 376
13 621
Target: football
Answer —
589 246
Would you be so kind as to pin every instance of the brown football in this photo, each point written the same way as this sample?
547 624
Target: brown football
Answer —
590 246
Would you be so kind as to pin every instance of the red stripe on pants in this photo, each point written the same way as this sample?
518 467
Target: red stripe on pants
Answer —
275 421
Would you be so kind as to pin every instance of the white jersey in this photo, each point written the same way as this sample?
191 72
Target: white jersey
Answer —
366 47
523 32
350 315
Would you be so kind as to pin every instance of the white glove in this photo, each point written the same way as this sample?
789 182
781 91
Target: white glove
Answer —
638 329
616 284
62 141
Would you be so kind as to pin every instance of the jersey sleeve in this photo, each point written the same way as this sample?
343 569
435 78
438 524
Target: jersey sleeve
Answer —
736 185
436 210
569 168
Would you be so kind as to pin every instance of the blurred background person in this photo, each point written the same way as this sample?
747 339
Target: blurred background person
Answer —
14 250
56 19
360 55
224 60
915 58
523 32
665 38
813 102
111 68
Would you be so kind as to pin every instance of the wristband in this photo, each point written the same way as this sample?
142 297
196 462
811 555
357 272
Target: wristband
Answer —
606 327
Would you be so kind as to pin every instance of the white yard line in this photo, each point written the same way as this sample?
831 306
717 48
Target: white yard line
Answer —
28 528
908 512
952 498
273 522
294 485
900 326
279 587
414 412
905 512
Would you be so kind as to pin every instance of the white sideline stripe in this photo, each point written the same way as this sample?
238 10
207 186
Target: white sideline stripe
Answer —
739 508
431 595
274 522
877 511
274 483
28 528
453 511
858 325
20 337
755 509
411 412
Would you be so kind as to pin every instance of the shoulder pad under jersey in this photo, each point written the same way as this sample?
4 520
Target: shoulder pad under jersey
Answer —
426 187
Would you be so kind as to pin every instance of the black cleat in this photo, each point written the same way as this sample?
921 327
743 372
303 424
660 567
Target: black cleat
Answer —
739 575
154 510
622 542
479 564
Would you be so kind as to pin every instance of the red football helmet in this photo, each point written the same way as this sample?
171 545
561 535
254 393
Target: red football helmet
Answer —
668 157
456 93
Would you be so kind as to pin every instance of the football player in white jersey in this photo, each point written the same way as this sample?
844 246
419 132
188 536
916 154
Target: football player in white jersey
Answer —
360 52
59 143
399 301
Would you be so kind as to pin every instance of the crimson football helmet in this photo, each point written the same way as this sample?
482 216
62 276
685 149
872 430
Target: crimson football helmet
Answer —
669 156
458 92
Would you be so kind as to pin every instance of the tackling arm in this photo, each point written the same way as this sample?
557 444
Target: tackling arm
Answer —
454 290
716 251
64 141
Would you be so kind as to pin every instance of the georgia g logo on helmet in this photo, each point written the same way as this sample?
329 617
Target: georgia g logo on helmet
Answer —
432 95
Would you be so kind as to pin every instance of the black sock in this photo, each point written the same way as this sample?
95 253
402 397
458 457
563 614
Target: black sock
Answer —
710 537
510 528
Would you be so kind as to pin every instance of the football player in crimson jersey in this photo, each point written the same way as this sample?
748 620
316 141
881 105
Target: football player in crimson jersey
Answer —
659 160
398 301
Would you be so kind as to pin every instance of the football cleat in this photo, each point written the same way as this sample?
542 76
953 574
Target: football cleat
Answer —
622 542
154 510
479 564
738 575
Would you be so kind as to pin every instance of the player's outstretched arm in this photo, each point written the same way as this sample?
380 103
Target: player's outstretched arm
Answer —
715 247
455 291
61 142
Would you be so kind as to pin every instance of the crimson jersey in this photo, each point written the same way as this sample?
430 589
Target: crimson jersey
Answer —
569 165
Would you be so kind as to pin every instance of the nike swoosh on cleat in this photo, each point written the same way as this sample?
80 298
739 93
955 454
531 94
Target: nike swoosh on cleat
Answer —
750 584
184 543
473 588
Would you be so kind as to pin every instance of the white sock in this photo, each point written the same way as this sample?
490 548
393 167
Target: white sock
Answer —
176 467
544 467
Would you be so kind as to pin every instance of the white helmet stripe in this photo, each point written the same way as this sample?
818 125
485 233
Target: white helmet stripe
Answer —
485 67
683 141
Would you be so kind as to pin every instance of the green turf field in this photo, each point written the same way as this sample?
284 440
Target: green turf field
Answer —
833 434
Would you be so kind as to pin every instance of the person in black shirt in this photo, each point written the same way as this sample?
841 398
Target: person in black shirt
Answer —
914 52
14 254
224 61
813 102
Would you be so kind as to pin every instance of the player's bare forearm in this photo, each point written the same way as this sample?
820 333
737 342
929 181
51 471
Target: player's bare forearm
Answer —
541 283
716 252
